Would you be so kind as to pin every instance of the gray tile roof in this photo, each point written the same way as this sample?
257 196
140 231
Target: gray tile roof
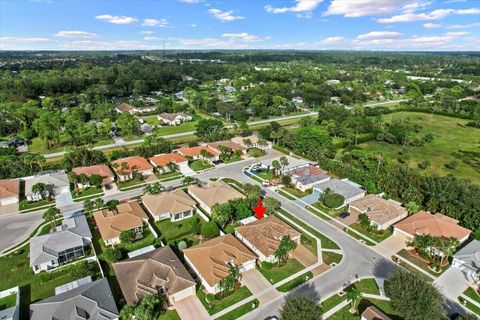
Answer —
94 298
293 163
470 254
58 179
306 180
73 232
346 189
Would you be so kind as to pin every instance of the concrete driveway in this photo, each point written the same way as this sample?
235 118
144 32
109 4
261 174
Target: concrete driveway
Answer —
392 245
304 256
256 283
63 199
9 208
191 309
452 283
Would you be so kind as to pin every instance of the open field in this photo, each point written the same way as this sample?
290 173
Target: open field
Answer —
453 140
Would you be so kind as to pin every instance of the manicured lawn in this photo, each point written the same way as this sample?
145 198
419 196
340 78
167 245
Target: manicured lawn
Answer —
219 302
379 237
265 175
330 257
234 183
295 282
169 315
368 285
37 145
232 159
26 205
285 195
199 164
275 273
297 193
327 243
332 302
129 183
344 313
78 193
470 306
171 232
168 176
403 253
452 141
470 292
147 240
332 212
8 302
256 153
240 311
166 130
358 237
230 228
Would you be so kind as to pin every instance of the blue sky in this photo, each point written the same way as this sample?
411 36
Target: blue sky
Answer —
257 24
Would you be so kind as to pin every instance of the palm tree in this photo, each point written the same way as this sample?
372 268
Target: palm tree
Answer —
98 203
448 247
283 162
83 179
39 189
353 295
228 283
51 215
172 166
284 247
73 178
247 142
276 166
205 154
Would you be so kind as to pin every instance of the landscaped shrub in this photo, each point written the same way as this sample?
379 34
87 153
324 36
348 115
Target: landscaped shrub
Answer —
210 230
196 228
333 200
127 236
112 255
182 245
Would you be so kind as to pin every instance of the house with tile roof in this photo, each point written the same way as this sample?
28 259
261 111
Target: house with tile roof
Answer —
125 167
305 178
154 272
174 119
125 107
263 236
373 313
382 212
294 163
9 191
126 217
58 180
217 192
212 260
196 153
67 242
101 170
161 161
467 260
93 300
437 225
252 141
175 205
233 146
348 189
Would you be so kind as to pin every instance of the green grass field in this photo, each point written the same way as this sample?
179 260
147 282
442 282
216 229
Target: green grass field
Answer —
275 273
452 141
217 304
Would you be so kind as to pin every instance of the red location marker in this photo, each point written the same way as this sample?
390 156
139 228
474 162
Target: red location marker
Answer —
259 210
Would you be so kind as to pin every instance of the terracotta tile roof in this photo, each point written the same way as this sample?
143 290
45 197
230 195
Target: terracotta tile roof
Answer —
134 164
240 140
307 171
227 143
123 107
437 225
9 188
128 216
142 275
100 169
378 209
266 234
372 313
216 192
163 160
212 257
173 202
195 151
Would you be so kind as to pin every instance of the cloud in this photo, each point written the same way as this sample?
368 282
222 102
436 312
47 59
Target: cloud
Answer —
245 37
300 6
224 16
116 19
463 26
152 39
155 22
207 42
431 25
434 15
379 35
193 25
147 32
24 40
361 8
107 45
75 34
333 40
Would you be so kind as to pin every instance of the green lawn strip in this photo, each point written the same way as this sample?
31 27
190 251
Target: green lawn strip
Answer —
240 311
286 195
148 239
8 301
327 243
132 183
368 285
332 302
379 237
470 306
358 237
297 193
90 191
275 273
403 253
331 212
166 130
233 159
470 292
219 302
331 257
415 270
230 228
234 183
198 165
383 305
170 232
169 315
45 229
265 175
167 176
295 282
24 204
256 153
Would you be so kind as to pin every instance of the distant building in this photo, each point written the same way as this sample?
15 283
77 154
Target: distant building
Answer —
332 82
196 153
161 161
217 146
293 164
101 170
306 177
297 100
253 142
57 179
125 167
125 107
9 191
173 119
381 212
348 189
180 95
229 89
218 192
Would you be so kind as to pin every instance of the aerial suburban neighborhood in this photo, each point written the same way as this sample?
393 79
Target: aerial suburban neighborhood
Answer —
252 160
